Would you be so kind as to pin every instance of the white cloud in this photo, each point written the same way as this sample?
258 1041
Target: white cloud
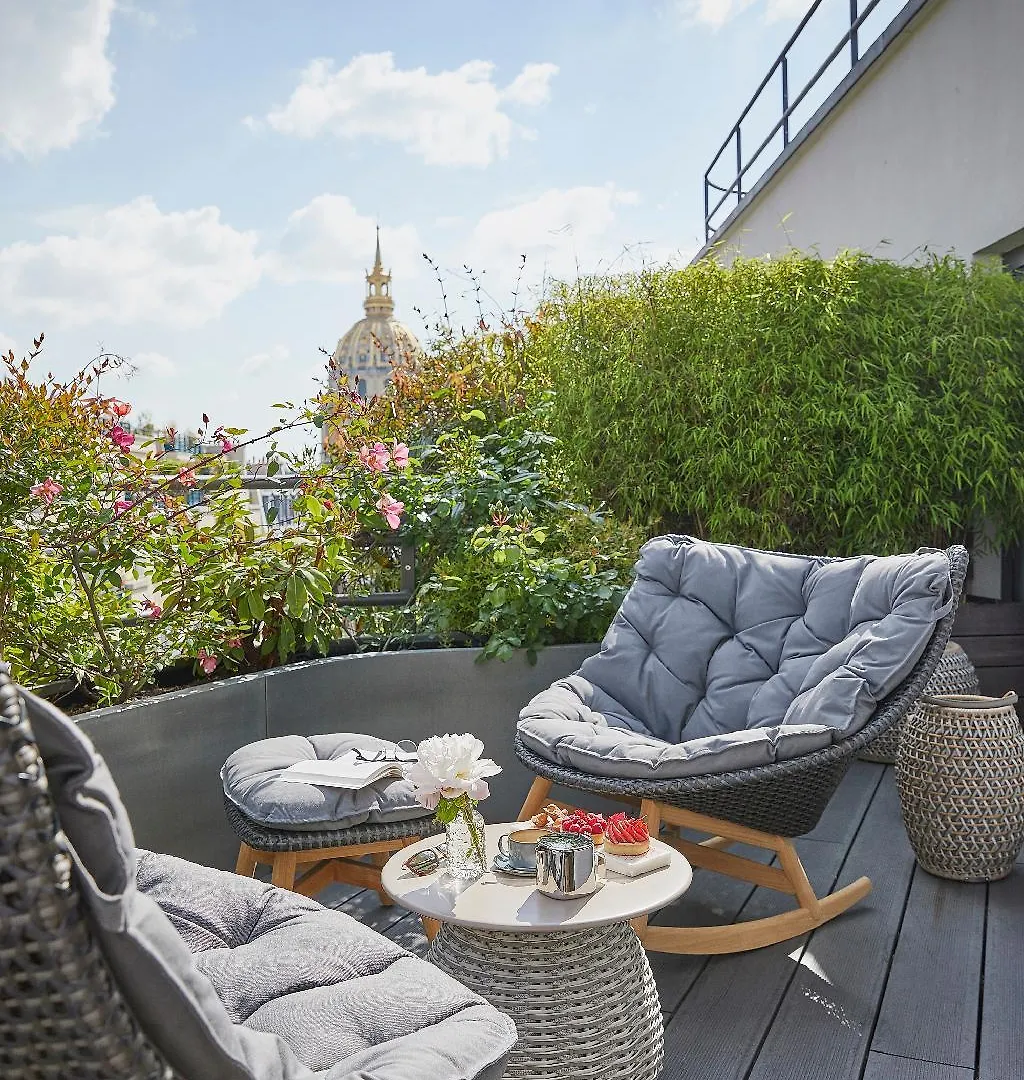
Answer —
329 240
57 79
261 361
777 10
132 263
532 86
155 364
716 13
449 118
557 231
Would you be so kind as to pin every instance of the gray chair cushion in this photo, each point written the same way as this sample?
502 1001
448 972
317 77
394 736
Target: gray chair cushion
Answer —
336 991
179 1005
724 657
250 778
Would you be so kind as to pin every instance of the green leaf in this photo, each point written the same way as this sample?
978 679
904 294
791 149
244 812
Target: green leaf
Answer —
296 597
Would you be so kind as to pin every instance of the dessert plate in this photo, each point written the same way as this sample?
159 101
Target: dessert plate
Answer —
503 866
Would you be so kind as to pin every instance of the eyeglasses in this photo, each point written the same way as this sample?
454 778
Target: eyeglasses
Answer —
405 750
426 861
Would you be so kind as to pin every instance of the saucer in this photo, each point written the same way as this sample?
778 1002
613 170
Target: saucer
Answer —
503 866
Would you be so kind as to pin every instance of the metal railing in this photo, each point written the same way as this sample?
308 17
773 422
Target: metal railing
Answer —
395 542
851 41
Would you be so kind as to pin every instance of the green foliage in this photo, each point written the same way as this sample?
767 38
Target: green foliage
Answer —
86 508
505 551
831 406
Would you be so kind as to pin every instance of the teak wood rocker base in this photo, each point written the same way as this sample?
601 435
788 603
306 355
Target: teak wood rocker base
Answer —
788 877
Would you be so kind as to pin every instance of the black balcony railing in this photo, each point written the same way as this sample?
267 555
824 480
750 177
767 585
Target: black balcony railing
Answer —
281 491
724 190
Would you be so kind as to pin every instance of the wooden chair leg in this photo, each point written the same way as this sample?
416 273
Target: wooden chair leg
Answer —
247 860
788 877
538 796
379 858
284 868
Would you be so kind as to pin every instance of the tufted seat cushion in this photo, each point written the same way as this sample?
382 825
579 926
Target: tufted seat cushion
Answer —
724 657
348 1002
250 778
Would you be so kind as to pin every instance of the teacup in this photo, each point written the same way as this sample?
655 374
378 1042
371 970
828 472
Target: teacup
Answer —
519 848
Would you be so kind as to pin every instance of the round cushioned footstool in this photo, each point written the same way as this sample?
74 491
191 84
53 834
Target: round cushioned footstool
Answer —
312 835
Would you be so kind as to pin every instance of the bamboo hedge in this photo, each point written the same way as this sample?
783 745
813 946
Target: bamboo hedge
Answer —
836 406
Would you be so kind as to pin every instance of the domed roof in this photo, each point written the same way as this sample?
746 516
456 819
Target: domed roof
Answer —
368 351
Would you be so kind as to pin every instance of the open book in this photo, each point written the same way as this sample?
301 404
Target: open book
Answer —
348 771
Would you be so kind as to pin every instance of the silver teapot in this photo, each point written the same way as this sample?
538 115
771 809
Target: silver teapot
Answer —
567 866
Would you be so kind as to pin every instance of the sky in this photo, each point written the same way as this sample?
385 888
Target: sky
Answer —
195 184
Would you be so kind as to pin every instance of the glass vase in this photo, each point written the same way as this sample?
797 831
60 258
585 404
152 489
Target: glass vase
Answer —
466 856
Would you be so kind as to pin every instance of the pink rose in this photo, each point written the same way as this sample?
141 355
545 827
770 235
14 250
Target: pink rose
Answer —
121 506
376 458
391 510
187 478
207 661
48 490
150 609
400 455
121 438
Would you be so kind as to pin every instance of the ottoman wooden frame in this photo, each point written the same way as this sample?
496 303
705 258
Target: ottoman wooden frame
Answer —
307 861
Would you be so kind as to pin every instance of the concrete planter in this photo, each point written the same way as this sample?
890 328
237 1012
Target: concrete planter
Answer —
166 752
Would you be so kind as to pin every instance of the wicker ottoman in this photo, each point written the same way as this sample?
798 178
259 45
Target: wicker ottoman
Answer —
310 835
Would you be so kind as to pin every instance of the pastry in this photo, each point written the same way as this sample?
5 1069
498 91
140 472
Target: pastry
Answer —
585 824
626 836
550 817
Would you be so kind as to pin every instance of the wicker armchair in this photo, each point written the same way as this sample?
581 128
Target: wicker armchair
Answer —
762 806
190 973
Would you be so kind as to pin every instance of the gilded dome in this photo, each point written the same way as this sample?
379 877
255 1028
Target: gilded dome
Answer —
367 352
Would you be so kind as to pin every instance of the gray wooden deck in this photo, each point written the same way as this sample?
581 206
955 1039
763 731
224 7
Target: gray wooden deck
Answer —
922 981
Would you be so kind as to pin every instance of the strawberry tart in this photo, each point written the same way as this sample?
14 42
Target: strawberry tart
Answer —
626 836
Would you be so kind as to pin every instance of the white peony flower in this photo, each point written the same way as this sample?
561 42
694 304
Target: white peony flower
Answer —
449 766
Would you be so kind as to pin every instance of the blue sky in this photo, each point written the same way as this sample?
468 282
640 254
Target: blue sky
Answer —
195 183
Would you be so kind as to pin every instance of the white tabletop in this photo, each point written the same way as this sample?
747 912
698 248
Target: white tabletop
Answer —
501 902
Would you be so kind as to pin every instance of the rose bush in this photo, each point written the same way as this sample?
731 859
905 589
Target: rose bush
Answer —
86 508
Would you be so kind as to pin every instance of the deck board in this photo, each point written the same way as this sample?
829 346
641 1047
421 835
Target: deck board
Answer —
1001 1051
942 932
892 990
886 1067
823 1027
720 1024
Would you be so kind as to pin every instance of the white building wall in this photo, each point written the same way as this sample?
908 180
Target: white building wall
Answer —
926 150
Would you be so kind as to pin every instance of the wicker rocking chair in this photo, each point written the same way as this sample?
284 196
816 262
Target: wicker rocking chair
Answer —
763 806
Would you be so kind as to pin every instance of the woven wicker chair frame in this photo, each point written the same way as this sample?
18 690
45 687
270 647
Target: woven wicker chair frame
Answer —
61 1013
763 807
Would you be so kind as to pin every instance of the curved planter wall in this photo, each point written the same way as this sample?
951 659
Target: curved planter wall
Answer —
166 752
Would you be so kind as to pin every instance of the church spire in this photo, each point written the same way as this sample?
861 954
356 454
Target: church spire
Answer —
378 287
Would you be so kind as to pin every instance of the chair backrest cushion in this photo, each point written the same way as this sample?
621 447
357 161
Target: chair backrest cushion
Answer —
713 639
174 1002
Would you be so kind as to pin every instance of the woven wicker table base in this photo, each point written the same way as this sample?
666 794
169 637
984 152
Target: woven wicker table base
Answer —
584 1001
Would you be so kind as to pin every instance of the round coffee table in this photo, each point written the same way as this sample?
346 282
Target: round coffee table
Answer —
571 973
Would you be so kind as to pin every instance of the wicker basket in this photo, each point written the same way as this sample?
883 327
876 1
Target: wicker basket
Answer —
960 774
954 675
